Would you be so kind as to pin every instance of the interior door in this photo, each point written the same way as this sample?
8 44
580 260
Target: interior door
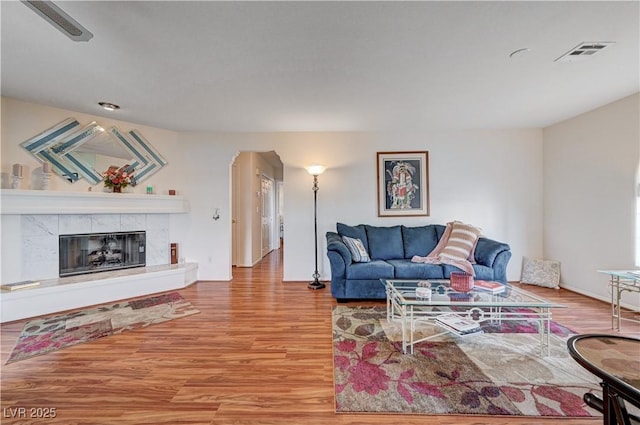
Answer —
267 222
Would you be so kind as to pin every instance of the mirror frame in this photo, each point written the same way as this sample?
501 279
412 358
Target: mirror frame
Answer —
57 145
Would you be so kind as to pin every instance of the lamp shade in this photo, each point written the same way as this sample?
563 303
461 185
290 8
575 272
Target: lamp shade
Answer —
316 170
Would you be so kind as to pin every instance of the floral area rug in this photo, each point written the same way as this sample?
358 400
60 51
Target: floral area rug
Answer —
43 336
499 372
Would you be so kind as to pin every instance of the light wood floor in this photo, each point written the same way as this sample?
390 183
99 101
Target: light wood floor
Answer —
258 353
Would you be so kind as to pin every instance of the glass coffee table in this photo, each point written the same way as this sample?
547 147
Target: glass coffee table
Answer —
436 298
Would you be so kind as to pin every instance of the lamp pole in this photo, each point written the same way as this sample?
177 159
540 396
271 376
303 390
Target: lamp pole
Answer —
315 171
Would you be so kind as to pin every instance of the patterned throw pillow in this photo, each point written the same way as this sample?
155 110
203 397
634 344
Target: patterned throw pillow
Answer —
540 272
462 241
357 249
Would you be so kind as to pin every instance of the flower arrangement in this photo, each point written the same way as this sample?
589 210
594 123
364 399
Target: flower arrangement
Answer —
118 178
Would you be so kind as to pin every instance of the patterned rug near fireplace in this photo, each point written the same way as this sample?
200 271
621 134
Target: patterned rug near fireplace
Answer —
43 336
499 372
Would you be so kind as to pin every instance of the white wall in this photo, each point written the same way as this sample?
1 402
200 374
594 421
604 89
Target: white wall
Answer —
490 178
590 165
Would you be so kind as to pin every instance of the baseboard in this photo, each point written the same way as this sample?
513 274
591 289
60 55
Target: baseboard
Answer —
598 297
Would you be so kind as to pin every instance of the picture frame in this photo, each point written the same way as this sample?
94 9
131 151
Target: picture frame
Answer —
403 184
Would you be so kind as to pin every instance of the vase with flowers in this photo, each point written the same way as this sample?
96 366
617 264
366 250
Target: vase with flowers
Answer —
118 178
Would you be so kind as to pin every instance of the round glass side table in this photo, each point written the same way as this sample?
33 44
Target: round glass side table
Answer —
616 361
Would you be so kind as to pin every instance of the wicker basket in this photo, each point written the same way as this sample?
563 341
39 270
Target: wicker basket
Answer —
461 282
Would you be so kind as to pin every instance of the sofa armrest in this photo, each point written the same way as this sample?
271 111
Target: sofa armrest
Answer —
336 244
339 259
494 254
500 266
487 251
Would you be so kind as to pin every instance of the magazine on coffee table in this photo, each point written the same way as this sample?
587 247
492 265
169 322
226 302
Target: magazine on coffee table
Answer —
458 324
460 333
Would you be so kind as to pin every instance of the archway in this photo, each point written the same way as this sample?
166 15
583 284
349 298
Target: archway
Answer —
255 208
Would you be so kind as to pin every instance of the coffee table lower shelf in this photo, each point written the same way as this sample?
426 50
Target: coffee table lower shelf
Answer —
404 308
409 323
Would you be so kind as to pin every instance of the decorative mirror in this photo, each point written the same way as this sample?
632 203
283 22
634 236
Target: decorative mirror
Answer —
76 151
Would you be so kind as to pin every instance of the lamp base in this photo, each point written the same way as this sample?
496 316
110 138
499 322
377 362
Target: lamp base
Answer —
316 284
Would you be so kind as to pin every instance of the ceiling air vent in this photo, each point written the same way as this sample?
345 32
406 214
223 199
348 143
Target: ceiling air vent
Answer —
584 51
60 20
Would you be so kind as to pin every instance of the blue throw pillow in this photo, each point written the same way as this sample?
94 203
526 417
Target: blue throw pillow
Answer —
439 230
385 243
355 232
358 252
419 241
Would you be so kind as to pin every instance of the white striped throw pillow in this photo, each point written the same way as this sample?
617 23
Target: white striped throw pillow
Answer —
462 241
357 249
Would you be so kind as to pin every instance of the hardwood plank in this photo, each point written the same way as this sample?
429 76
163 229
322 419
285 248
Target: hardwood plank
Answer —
259 352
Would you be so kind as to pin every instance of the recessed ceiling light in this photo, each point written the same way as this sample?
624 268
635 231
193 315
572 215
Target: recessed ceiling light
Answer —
109 106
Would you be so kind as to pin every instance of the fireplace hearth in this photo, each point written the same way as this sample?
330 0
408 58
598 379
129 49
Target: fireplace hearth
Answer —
99 252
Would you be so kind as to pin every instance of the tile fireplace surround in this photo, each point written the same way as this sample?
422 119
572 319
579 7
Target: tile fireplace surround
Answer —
32 222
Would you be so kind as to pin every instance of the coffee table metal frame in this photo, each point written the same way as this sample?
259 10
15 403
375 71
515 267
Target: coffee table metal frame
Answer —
478 305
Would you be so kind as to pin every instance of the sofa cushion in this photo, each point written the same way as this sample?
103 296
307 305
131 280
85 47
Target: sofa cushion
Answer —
385 242
358 252
419 240
376 269
439 230
405 269
356 232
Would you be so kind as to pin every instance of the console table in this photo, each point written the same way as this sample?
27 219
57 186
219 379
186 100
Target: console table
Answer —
621 281
614 359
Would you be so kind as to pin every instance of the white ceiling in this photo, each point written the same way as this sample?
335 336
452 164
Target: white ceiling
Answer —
324 66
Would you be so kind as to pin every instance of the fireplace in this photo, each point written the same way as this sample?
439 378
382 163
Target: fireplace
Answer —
99 252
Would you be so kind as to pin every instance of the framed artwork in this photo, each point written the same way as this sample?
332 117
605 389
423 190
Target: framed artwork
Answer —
403 184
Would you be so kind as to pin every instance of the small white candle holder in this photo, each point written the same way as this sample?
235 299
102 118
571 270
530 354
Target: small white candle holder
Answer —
46 181
16 182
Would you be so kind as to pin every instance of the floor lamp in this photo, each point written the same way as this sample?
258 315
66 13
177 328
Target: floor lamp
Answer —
315 171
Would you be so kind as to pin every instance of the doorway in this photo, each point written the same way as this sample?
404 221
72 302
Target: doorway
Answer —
256 190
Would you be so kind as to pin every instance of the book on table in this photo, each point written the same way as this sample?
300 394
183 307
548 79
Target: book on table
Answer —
489 285
20 285
458 324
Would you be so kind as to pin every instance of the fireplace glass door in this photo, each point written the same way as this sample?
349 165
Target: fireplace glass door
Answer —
97 252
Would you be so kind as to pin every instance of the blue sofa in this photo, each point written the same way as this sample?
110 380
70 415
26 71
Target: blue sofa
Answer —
391 249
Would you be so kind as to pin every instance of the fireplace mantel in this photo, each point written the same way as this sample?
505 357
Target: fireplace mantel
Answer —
15 201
